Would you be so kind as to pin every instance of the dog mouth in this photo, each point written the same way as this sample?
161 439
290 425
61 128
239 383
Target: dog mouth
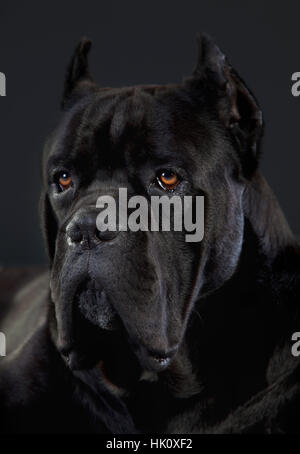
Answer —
105 352
100 340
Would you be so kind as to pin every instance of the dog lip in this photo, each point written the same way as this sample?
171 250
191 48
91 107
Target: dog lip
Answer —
163 362
158 361
72 360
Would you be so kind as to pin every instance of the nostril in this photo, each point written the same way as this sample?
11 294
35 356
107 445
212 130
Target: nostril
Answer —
75 236
106 235
83 229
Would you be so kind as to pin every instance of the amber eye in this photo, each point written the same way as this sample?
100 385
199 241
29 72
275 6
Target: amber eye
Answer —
168 179
64 181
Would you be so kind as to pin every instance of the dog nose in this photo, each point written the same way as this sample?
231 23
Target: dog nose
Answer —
83 229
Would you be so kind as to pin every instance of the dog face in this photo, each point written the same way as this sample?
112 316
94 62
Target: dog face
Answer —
139 288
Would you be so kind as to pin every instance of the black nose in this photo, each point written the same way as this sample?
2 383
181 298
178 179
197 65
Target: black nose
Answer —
82 229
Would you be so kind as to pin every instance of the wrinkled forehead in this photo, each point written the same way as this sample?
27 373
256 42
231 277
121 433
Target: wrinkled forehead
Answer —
144 124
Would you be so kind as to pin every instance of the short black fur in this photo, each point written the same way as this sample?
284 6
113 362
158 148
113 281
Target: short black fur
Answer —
224 310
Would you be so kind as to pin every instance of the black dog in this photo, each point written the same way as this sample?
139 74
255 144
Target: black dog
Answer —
143 331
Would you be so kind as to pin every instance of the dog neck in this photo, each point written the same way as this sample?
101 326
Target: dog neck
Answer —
267 238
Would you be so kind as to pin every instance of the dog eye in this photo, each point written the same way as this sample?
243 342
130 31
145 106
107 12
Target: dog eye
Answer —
64 181
168 180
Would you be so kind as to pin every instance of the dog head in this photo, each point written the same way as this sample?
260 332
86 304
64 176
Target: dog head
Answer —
139 287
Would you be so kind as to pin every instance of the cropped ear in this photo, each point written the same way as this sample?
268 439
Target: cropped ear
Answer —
48 224
234 103
78 81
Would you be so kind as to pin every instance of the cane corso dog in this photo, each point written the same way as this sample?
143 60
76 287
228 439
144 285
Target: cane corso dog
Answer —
142 331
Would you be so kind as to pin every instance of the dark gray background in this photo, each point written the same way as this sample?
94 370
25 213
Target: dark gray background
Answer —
135 42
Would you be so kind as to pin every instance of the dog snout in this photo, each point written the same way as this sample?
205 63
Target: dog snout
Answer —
82 229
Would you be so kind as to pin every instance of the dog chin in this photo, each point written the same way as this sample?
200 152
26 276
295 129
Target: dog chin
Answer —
101 345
